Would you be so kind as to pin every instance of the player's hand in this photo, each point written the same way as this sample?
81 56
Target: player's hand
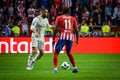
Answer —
53 26
36 34
76 42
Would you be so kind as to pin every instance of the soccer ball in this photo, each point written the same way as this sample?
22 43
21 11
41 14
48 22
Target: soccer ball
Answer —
65 65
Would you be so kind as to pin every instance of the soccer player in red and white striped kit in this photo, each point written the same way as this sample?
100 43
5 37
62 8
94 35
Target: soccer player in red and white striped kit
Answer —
67 26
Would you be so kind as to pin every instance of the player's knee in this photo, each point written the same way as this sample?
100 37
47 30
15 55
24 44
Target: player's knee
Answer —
33 50
57 51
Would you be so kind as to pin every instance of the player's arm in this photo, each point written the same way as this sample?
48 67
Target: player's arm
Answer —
49 25
54 34
76 33
55 30
76 30
32 28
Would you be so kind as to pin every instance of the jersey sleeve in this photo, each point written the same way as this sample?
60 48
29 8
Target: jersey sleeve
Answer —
34 23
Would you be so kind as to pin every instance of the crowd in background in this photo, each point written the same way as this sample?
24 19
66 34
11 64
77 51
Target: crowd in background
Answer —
96 18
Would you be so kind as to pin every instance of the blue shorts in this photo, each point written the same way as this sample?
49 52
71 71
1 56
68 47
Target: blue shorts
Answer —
61 43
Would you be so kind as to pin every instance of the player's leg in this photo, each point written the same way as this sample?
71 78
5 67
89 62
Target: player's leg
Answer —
34 46
31 54
58 48
55 61
38 55
30 62
40 47
71 58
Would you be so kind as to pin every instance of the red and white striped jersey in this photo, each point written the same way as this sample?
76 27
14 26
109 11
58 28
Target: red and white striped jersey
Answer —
66 24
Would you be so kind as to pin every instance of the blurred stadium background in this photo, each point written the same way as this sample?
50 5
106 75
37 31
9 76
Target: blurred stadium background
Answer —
16 15
97 55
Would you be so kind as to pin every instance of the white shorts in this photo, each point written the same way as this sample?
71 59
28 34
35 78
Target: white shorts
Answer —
36 42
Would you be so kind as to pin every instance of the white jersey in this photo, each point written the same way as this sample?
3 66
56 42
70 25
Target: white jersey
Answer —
40 24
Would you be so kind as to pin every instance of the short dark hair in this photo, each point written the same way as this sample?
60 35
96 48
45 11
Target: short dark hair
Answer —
65 10
43 9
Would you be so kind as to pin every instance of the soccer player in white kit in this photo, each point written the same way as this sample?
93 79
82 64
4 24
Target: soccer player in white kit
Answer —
38 26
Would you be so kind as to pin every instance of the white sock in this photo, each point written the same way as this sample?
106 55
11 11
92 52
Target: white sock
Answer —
36 57
55 68
30 57
74 67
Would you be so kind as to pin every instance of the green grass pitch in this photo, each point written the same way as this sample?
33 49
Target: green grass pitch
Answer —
91 67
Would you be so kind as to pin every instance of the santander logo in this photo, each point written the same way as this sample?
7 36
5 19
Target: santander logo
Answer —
22 45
